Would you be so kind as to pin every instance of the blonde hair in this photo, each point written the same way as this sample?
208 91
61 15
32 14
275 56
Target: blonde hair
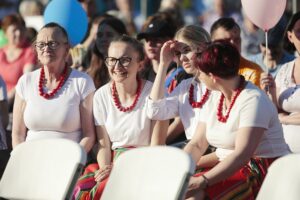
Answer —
194 35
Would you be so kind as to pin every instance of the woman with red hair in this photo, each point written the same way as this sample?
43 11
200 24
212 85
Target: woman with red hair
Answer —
241 122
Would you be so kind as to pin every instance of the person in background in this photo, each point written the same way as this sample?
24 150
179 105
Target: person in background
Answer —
108 29
120 115
285 91
3 115
17 56
272 58
4 147
228 29
241 122
54 101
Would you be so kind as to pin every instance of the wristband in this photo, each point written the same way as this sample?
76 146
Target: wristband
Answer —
205 180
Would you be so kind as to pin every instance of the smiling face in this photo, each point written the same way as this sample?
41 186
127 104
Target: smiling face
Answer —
125 62
51 46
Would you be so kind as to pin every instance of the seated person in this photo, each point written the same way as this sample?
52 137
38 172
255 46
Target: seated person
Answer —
241 122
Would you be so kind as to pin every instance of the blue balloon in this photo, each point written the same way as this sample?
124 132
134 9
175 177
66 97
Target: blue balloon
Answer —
70 15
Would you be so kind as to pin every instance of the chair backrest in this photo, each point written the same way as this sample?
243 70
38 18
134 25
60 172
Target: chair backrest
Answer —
282 180
43 170
160 173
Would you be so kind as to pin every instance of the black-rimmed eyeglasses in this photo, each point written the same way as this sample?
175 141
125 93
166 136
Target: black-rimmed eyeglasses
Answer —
111 61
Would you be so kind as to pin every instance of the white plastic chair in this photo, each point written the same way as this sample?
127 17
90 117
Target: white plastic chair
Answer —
43 170
282 180
148 173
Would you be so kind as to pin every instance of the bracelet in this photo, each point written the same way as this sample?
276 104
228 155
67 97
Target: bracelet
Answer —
205 180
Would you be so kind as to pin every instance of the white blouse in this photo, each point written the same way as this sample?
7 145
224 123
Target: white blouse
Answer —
124 128
252 108
58 117
289 101
177 104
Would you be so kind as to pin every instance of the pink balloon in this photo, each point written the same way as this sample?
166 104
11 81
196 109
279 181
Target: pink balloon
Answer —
264 13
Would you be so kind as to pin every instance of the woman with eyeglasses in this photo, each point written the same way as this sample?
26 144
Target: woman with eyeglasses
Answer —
119 114
54 101
17 56
241 122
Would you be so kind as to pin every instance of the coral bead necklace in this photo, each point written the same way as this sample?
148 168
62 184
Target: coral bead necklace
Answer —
117 100
220 115
204 98
55 90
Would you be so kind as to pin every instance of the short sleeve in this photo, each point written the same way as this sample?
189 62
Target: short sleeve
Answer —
99 110
21 85
3 91
87 86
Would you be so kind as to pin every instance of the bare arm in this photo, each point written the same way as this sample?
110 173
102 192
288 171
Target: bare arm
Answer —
159 132
166 56
198 144
175 129
293 119
104 156
245 144
18 128
87 123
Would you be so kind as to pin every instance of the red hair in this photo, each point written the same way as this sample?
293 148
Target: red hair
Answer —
220 58
12 19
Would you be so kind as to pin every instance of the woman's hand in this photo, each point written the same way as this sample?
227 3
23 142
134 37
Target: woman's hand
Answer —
103 173
267 82
195 188
167 52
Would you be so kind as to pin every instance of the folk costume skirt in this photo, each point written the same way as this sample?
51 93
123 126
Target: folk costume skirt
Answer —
244 184
86 187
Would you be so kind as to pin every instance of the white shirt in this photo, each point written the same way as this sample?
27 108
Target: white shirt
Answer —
252 108
124 128
289 101
177 104
58 117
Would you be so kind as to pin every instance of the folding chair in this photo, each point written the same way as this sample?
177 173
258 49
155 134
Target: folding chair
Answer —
148 173
43 170
282 180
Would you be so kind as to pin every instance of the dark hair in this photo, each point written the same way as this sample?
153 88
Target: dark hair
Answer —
15 19
227 23
221 58
56 25
115 23
295 17
134 43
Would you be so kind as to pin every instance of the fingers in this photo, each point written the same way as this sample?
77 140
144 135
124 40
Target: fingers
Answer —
103 173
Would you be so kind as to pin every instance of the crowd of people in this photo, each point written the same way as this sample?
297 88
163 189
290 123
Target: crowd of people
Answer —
169 82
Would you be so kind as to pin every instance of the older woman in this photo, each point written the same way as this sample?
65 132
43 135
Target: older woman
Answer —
120 115
241 122
54 101
17 57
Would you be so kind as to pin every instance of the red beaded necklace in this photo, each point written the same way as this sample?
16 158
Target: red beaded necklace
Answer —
220 116
55 90
117 100
204 98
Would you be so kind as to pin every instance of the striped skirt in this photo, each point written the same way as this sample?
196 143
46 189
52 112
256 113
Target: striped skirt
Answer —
86 187
244 184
